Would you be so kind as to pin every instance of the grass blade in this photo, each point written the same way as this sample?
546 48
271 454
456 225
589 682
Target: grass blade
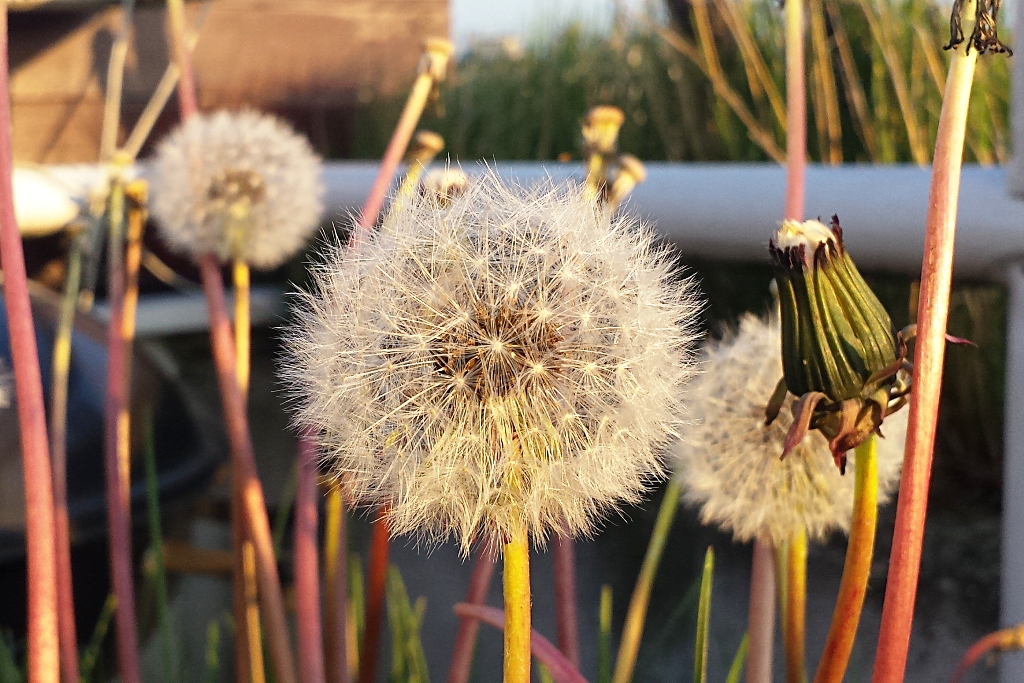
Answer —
738 661
90 655
700 650
604 636
212 652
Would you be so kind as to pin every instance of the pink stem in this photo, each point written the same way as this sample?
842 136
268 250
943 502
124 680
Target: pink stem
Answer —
118 487
43 657
796 112
244 467
562 670
465 638
761 619
993 641
565 598
307 579
929 352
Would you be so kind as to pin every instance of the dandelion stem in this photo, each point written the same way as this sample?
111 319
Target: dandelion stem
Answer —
761 617
182 57
248 638
58 450
1005 639
116 445
336 589
254 507
853 586
43 656
796 110
465 638
929 350
793 633
565 598
307 580
633 628
376 570
517 608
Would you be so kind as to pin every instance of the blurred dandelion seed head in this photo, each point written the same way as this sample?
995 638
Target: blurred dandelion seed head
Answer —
513 359
729 462
241 185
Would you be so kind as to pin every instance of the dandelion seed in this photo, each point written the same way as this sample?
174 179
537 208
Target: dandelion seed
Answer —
515 414
241 185
729 461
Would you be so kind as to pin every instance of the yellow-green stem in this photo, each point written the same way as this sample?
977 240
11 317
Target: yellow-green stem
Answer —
517 608
853 586
794 613
633 628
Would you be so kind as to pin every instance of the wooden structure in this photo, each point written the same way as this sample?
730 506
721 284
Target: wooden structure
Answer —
312 61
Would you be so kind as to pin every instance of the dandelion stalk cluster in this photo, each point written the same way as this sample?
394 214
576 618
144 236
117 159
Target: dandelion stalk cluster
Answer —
511 362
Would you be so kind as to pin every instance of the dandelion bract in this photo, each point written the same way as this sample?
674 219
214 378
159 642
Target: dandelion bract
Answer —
513 359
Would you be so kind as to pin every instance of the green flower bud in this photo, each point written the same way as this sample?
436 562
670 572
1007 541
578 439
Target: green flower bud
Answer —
840 353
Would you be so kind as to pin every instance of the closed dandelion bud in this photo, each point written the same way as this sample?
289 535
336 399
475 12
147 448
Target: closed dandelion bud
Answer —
601 130
840 353
241 185
728 461
513 361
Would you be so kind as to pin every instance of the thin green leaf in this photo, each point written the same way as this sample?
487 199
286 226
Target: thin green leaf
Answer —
91 653
284 507
700 651
736 670
604 636
10 672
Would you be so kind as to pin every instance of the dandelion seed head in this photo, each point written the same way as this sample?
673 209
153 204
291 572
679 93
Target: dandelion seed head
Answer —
729 463
241 185
515 359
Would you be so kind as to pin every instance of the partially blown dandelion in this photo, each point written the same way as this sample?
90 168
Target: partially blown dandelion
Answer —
729 462
241 185
510 363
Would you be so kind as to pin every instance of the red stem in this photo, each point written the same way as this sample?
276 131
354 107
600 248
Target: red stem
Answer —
999 640
376 570
562 670
929 352
796 113
465 638
307 579
116 473
244 467
43 658
565 598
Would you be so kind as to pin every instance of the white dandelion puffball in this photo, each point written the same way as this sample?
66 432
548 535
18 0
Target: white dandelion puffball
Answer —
513 360
241 185
729 462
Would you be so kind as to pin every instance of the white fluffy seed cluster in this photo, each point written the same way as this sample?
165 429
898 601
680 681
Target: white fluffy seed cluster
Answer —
729 463
242 185
512 360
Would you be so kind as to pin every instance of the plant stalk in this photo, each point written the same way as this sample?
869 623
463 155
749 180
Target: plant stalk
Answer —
633 628
761 617
852 588
307 579
58 454
376 582
1005 639
117 455
794 621
565 598
254 506
516 554
929 351
796 110
336 589
43 650
182 57
465 638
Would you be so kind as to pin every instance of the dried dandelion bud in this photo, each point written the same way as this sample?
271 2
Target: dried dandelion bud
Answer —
628 175
445 184
425 145
436 53
728 461
840 354
601 130
512 361
241 185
